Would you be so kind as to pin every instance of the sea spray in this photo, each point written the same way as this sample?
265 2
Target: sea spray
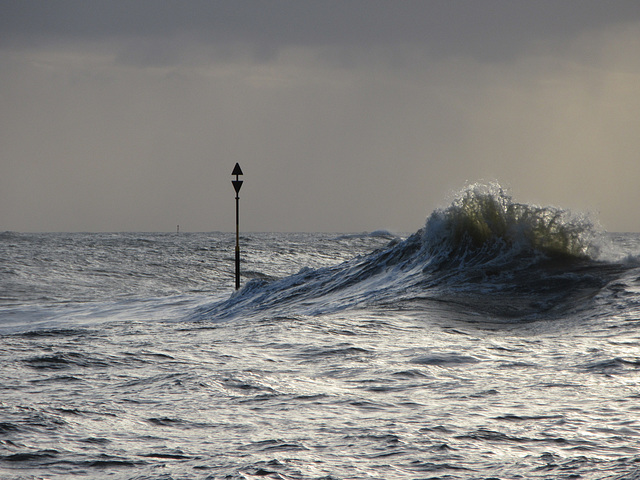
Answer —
485 217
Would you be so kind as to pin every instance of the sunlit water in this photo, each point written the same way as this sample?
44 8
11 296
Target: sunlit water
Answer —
129 356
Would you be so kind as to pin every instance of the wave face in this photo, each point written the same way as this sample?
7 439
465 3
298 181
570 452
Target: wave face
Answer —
485 253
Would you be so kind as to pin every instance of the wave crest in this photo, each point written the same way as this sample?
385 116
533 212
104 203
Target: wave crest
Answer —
483 254
485 217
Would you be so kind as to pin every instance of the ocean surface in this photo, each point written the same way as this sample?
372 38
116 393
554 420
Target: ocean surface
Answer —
500 340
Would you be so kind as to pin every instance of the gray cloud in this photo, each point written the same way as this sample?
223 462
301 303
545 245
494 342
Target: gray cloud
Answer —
345 116
490 29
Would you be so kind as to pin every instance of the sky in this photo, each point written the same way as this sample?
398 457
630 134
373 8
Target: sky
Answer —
345 116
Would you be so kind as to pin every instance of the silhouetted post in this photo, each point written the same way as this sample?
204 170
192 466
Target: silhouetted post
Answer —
237 184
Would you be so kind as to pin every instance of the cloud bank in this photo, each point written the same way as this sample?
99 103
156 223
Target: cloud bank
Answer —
345 116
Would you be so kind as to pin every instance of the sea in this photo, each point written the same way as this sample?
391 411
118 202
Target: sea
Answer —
500 340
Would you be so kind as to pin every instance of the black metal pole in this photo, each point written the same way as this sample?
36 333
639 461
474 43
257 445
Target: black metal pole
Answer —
237 183
237 241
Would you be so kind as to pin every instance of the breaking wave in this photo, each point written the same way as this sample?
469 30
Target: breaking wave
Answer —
483 253
485 218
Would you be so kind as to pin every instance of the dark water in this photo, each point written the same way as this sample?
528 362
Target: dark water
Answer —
500 341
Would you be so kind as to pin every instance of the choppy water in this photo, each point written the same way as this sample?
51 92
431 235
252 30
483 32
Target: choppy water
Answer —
500 341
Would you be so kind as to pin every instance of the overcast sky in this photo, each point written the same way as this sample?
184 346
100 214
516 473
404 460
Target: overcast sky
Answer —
345 116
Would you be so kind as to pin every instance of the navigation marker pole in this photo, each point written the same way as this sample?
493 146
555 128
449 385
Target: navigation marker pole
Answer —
237 184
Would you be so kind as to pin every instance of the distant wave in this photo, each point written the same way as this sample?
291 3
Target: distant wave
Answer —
9 235
484 253
375 233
